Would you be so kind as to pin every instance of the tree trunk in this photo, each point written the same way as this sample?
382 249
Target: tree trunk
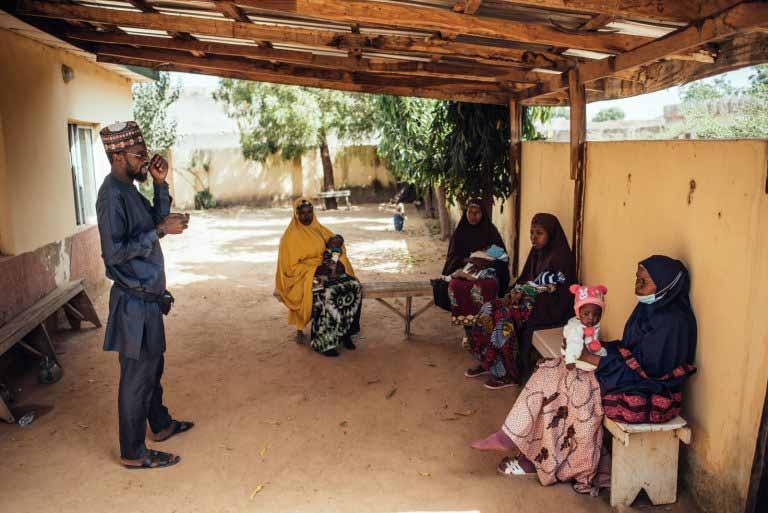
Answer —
442 210
428 213
328 185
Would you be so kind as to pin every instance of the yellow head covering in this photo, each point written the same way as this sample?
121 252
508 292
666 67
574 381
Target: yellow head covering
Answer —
301 251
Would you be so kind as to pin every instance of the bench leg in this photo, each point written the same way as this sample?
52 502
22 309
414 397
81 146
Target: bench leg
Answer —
349 205
5 412
650 462
83 304
408 315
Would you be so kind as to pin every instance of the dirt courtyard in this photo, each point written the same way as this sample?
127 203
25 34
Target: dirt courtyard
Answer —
384 429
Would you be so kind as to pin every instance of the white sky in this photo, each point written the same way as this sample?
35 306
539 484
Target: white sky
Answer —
647 106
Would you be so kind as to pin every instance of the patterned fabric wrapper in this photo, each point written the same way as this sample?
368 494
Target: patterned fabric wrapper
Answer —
556 423
119 136
333 312
493 340
468 296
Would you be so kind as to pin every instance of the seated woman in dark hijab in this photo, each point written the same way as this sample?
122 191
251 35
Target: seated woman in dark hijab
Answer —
502 338
468 291
556 422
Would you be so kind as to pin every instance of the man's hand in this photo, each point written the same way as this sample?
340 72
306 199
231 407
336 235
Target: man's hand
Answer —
174 224
158 168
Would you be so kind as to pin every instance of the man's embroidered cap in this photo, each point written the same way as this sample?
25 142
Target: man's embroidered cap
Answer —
121 135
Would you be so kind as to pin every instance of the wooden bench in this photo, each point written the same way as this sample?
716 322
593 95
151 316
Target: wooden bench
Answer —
28 328
335 194
643 456
407 289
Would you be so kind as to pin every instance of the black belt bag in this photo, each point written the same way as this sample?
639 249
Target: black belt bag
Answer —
164 300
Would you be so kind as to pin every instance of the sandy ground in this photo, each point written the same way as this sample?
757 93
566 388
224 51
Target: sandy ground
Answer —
316 434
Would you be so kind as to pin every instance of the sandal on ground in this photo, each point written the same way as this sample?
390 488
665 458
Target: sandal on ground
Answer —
498 384
511 467
476 372
330 353
176 427
300 337
153 459
348 344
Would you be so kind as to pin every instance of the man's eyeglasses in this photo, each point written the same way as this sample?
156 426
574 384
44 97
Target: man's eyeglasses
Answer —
142 155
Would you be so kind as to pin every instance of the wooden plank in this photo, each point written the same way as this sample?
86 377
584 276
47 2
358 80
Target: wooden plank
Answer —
477 72
22 324
671 425
434 92
408 317
397 289
423 309
515 149
548 342
231 11
578 102
597 22
315 38
648 462
439 19
467 6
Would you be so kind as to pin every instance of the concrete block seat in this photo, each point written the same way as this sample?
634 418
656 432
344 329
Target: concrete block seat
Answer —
644 456
335 194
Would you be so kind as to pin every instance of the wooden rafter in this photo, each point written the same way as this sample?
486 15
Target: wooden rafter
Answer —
443 92
231 11
317 38
481 73
740 18
467 6
448 22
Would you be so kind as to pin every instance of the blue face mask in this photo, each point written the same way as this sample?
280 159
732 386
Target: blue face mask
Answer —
647 300
652 298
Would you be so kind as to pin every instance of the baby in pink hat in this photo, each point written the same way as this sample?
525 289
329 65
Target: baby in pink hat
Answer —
583 331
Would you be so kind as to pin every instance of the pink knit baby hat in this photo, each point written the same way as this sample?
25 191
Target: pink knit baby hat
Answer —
585 295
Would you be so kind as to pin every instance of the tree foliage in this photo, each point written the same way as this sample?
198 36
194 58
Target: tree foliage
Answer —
291 120
747 116
463 147
151 110
609 114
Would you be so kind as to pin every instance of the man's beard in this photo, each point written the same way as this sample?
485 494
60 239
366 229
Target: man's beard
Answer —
140 176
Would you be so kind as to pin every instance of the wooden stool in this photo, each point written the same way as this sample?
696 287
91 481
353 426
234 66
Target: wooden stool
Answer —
644 456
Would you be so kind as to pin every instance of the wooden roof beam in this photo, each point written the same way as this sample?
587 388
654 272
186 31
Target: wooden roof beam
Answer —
480 73
467 6
740 18
329 79
446 21
343 40
231 11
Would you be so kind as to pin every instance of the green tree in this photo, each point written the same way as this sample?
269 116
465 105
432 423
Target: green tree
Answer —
609 114
461 147
292 120
151 110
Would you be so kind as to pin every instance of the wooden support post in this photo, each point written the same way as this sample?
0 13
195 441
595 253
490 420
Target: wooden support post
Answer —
577 97
408 316
515 160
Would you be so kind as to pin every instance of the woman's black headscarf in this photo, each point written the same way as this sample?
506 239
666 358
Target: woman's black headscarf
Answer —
468 238
663 335
555 308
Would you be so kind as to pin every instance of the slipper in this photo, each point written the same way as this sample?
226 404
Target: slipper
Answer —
476 372
498 384
176 427
511 467
153 459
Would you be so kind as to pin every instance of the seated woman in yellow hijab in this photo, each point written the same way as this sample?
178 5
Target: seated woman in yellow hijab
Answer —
332 301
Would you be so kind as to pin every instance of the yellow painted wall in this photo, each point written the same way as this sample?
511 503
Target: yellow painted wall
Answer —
36 106
637 204
233 179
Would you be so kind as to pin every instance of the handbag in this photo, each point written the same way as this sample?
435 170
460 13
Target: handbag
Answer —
440 293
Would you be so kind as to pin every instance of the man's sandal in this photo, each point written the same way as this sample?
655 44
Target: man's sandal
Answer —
153 459
511 467
176 427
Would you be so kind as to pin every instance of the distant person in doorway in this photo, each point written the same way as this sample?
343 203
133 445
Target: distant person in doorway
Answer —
314 290
130 230
398 218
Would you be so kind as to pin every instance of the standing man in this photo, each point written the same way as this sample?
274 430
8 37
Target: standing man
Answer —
130 230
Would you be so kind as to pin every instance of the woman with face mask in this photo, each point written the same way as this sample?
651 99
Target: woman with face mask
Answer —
556 422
